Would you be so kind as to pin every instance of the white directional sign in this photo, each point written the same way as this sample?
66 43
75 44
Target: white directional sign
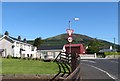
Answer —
70 39
77 19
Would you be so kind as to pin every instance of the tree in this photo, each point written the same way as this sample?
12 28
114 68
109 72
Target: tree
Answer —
94 46
6 33
37 42
24 40
19 38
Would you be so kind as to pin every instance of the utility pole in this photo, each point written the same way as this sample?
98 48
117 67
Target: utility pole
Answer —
69 24
114 44
70 31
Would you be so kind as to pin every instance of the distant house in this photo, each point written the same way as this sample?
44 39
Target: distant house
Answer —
49 52
16 48
108 49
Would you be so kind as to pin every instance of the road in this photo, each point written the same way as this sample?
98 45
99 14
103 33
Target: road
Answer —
100 69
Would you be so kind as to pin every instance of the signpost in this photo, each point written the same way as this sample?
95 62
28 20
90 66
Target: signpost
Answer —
73 56
70 39
70 31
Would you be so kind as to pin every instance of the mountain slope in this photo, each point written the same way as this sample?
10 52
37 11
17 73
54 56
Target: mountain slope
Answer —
60 40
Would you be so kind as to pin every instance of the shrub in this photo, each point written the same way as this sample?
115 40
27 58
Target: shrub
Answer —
112 53
9 56
34 59
101 55
24 58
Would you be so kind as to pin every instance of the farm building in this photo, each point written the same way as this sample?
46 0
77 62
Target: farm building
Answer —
74 48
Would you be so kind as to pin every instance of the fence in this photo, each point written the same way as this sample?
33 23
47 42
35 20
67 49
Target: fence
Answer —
69 67
88 56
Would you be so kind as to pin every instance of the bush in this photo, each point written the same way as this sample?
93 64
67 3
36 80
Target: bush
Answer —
24 58
34 59
16 57
102 55
112 53
9 56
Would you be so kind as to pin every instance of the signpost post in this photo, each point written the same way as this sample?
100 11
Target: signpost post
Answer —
70 39
70 31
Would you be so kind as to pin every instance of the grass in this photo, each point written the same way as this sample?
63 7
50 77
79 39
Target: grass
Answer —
19 66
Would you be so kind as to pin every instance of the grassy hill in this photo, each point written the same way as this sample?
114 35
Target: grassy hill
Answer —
61 39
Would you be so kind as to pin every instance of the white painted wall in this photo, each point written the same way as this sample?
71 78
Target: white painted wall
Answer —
28 50
7 46
51 54
87 56
15 52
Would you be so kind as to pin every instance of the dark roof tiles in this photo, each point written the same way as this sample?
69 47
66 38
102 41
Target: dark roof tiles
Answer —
50 47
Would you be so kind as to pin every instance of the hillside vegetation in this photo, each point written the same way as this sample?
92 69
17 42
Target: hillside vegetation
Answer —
60 40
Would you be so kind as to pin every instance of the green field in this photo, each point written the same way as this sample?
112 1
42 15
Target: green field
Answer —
20 66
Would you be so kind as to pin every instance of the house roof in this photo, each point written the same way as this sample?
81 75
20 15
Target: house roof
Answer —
15 39
107 50
12 39
50 47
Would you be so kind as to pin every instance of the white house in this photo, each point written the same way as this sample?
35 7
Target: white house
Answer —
16 48
49 52
108 49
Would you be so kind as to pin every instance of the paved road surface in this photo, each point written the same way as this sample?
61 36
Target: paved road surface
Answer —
100 69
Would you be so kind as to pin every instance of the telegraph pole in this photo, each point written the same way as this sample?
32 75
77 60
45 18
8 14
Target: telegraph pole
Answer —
114 44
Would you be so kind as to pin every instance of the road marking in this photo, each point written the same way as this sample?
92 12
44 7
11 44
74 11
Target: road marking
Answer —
89 61
101 70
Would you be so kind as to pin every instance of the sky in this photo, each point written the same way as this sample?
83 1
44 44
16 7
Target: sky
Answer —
46 19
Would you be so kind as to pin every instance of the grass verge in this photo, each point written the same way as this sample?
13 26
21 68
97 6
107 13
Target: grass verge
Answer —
19 66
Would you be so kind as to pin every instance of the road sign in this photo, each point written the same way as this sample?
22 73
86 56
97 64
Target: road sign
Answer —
70 39
70 31
77 19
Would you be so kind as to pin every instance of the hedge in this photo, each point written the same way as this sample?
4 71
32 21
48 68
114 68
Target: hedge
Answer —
112 53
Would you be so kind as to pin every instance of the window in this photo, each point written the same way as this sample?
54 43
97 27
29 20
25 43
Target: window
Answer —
27 55
54 54
44 52
31 55
29 46
32 48
24 46
23 55
21 45
17 44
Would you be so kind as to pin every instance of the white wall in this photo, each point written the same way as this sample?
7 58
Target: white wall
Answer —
15 52
27 48
52 54
7 46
